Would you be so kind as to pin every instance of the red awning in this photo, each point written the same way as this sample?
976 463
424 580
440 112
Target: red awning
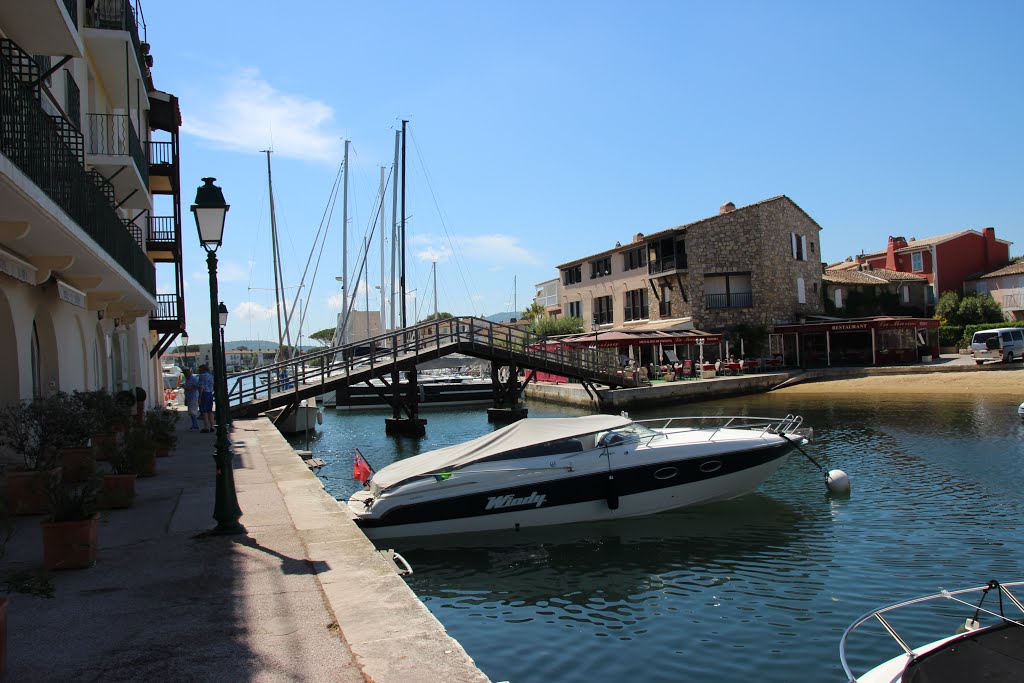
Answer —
617 338
861 325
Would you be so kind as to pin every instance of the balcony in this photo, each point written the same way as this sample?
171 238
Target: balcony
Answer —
169 316
665 266
115 34
43 27
51 193
162 241
163 171
734 300
113 148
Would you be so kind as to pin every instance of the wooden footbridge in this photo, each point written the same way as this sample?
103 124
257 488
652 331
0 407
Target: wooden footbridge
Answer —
288 382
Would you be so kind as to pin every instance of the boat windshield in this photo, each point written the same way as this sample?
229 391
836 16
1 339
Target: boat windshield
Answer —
630 432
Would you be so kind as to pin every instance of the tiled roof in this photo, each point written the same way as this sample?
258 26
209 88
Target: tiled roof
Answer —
843 265
876 276
929 241
1012 269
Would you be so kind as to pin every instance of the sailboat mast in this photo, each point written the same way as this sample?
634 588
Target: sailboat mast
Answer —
273 245
383 220
434 269
344 251
394 229
402 277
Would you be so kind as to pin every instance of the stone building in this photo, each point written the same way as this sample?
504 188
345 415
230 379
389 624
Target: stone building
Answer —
857 290
750 267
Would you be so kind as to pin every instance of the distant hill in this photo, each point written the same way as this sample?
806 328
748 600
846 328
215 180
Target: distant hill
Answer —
259 345
503 317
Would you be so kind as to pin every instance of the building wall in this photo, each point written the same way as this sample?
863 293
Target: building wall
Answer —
1007 290
755 240
917 292
965 256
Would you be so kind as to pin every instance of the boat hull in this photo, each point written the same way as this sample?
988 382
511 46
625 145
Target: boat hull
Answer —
302 419
645 489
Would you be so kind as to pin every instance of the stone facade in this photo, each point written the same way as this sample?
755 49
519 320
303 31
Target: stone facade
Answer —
741 267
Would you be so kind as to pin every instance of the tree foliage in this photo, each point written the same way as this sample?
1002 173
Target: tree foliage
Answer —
973 309
547 326
534 312
323 337
440 315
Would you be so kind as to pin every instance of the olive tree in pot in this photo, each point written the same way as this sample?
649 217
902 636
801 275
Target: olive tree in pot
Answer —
69 534
75 423
128 458
160 426
27 429
109 418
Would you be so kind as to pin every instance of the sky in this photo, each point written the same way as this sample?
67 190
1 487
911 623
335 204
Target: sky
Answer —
542 132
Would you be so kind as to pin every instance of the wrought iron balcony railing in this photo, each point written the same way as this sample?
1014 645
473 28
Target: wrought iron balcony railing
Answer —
161 229
114 135
665 264
161 153
121 15
167 307
30 138
72 8
736 300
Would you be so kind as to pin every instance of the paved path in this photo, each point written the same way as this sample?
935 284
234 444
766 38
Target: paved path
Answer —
303 596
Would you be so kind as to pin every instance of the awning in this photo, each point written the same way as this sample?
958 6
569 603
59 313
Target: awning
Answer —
617 338
860 325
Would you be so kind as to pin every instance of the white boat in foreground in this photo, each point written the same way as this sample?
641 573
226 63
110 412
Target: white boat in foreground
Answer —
304 418
544 471
976 652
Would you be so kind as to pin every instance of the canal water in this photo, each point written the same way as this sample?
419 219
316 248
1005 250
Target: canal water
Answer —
759 588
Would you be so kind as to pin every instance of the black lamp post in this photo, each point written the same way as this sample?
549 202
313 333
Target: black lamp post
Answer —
184 340
222 313
209 210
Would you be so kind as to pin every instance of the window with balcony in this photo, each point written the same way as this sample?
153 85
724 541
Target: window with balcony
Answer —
728 291
917 262
634 258
575 309
636 304
666 254
601 267
603 313
665 305
572 275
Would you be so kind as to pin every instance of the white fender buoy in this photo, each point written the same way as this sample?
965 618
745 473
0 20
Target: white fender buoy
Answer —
837 481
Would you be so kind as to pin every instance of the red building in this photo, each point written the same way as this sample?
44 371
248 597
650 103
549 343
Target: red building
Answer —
945 261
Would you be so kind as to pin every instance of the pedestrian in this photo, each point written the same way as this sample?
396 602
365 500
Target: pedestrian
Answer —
205 399
192 398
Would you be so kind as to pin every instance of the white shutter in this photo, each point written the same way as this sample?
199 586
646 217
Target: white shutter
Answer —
839 298
792 239
801 298
803 250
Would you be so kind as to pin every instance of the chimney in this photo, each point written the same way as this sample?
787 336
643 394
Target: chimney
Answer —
994 257
726 208
890 251
639 237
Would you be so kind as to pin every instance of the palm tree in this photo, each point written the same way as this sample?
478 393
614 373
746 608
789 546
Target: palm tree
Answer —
534 312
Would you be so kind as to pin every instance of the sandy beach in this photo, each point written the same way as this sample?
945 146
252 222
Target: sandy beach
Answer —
984 383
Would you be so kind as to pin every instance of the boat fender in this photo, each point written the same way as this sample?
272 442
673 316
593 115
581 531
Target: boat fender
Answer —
319 418
611 493
837 481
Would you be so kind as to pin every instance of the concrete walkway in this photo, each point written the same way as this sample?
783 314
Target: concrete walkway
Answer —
304 596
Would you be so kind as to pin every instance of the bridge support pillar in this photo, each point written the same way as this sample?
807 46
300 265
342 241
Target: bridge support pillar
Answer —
506 415
402 426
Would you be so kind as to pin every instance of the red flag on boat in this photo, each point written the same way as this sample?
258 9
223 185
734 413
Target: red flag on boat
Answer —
361 470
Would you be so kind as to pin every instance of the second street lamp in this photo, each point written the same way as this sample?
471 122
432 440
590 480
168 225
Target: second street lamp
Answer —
184 340
209 210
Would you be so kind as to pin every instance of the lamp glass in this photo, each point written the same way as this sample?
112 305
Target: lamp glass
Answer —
222 311
210 222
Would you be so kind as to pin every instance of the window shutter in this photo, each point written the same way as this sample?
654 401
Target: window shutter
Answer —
803 245
792 239
801 298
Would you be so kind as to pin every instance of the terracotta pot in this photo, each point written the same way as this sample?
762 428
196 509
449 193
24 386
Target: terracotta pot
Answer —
118 491
3 634
102 442
28 493
78 464
147 465
70 545
163 451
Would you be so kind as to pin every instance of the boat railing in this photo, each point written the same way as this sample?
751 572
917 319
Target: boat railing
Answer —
789 424
975 608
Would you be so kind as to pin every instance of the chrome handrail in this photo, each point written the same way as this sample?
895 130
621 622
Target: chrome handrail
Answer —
943 594
774 425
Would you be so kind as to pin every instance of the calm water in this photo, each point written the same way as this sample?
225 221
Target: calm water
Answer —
760 588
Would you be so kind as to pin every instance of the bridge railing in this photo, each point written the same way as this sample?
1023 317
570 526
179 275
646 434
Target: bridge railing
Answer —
479 337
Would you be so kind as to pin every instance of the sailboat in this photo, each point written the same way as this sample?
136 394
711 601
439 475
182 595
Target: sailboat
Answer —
306 416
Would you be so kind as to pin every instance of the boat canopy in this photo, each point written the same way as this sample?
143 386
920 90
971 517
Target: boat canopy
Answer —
522 434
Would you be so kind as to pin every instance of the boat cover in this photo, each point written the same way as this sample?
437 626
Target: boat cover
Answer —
522 434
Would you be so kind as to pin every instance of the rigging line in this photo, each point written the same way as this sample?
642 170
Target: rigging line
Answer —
455 248
309 259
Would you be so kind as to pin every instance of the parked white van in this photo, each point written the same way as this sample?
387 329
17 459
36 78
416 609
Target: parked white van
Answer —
1002 343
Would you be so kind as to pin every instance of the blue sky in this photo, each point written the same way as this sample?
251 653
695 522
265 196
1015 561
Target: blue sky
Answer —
542 132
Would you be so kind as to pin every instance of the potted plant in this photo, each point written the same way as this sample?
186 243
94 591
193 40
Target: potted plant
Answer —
139 451
73 423
108 418
69 534
25 428
160 427
118 484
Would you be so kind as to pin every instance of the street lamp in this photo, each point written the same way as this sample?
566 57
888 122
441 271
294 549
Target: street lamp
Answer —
184 340
209 210
222 313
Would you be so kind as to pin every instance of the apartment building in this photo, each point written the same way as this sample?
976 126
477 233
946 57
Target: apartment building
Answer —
89 200
1005 285
758 265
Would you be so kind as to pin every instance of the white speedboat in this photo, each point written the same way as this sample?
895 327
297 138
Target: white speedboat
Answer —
544 471
987 646
304 418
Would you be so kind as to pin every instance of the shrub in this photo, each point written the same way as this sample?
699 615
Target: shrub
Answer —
951 335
